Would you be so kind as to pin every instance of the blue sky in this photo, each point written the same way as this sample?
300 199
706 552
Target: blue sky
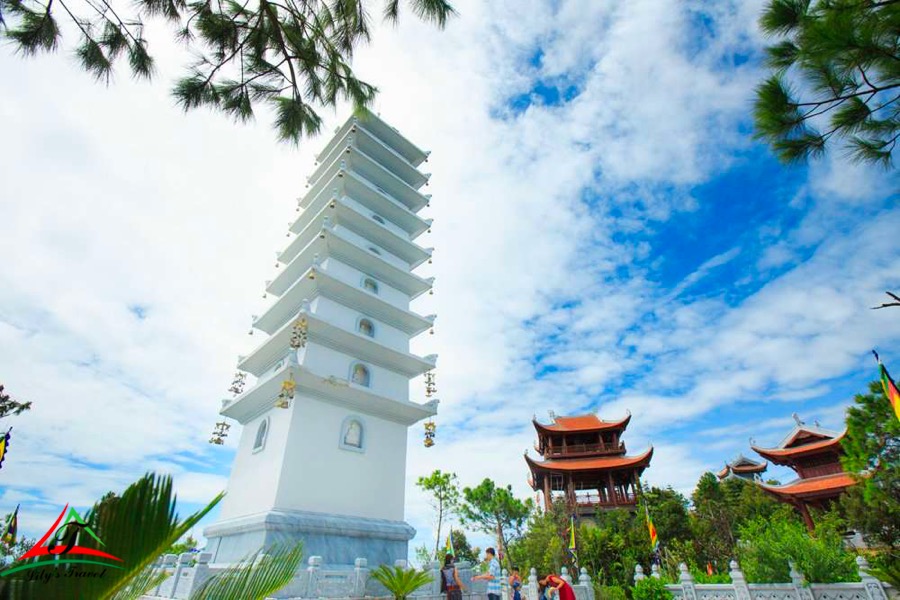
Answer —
609 238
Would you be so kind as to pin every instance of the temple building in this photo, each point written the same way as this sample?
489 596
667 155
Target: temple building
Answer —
814 454
322 452
584 464
743 468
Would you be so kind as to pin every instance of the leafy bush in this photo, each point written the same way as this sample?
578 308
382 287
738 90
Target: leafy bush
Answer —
768 544
651 588
609 592
700 576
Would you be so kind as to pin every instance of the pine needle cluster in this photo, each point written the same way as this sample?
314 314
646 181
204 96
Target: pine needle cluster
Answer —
292 54
835 75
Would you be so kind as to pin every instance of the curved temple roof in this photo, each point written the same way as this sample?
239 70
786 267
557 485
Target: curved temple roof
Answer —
784 455
581 423
588 464
826 485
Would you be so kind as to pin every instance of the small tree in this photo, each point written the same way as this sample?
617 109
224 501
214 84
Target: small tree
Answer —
444 491
464 550
651 588
495 511
835 75
767 545
872 456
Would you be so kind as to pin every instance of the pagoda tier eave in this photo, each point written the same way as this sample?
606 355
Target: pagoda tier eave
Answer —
338 182
356 161
331 243
263 395
825 486
786 456
359 138
339 212
641 461
384 132
336 338
322 283
620 425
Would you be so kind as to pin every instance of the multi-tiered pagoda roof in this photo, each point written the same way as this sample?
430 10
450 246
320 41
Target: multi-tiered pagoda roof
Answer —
814 453
585 464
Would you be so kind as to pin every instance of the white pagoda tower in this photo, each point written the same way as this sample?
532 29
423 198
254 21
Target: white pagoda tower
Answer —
322 454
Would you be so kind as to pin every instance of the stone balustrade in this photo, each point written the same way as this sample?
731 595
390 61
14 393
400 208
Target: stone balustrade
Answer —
315 580
869 588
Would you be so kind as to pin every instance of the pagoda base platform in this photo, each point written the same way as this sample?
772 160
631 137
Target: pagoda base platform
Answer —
338 539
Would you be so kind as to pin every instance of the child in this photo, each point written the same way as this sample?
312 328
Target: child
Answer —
515 582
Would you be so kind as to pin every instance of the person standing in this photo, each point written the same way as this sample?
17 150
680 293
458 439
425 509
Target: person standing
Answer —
493 575
450 582
555 583
515 582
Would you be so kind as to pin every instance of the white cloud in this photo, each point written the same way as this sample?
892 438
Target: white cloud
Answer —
113 199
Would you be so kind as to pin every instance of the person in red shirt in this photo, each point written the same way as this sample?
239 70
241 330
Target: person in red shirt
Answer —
556 583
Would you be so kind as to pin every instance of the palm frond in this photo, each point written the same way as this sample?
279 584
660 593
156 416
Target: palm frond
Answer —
254 578
399 581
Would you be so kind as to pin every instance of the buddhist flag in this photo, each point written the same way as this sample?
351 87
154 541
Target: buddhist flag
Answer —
448 548
890 388
4 445
572 550
9 534
654 541
709 569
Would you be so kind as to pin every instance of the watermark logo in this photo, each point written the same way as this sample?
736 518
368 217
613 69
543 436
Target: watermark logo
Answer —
61 543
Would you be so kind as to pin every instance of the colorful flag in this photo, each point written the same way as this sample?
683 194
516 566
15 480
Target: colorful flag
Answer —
572 550
709 569
4 445
654 541
448 549
9 534
890 388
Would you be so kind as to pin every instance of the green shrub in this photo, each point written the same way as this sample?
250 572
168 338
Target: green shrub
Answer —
650 588
768 544
609 592
702 577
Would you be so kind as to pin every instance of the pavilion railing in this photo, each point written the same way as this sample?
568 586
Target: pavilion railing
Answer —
572 449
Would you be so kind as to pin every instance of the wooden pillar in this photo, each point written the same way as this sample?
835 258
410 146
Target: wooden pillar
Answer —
612 488
570 488
547 498
804 512
564 445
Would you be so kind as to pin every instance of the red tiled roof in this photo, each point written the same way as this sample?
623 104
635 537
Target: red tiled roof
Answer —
782 455
814 486
750 468
723 473
589 464
582 423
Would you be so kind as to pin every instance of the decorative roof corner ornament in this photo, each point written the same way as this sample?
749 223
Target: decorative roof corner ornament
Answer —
552 416
287 393
430 387
305 306
432 358
797 419
816 422
299 333
237 385
430 429
317 260
220 432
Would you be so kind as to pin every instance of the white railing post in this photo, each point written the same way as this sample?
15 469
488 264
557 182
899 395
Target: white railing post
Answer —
741 590
799 582
638 573
874 588
687 582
